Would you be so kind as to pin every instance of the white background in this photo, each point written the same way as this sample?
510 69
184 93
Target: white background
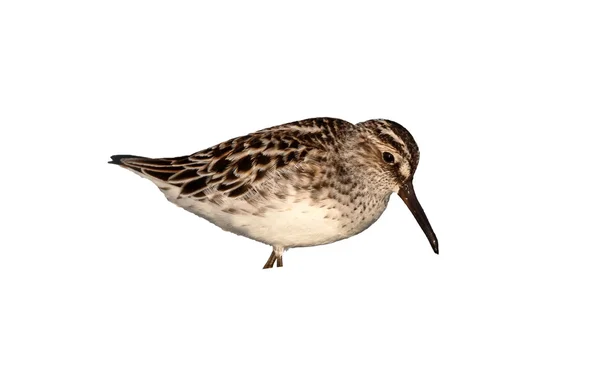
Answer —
102 280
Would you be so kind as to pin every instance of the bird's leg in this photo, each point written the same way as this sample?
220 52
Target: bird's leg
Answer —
276 255
270 261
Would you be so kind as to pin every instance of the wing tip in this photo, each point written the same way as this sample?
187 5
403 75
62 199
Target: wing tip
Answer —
117 159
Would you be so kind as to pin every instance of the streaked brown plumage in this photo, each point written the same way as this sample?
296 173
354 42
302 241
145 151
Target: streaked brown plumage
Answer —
305 183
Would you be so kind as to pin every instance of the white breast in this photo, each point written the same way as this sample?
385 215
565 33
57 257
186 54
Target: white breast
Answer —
291 222
286 223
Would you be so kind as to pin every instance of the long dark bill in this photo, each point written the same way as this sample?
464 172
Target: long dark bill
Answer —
407 193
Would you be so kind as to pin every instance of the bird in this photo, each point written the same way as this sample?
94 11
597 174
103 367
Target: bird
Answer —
305 183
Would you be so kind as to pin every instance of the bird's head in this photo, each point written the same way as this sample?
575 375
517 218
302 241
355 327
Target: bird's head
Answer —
393 155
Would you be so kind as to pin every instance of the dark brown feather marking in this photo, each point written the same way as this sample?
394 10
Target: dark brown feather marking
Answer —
184 160
218 151
225 186
230 177
260 174
183 175
239 147
194 186
291 157
280 162
255 143
245 164
200 195
261 159
220 166
239 191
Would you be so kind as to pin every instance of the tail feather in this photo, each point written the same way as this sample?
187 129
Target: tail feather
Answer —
118 158
153 168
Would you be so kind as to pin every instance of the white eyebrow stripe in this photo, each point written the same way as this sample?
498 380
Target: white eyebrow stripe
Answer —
397 139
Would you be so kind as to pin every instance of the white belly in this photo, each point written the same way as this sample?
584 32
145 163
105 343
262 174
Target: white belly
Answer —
287 223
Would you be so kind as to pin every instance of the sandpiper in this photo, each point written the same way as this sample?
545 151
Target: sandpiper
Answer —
305 183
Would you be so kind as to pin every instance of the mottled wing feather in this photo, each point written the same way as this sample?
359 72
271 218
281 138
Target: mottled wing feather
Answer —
237 168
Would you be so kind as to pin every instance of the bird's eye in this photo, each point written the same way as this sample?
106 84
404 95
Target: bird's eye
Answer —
388 157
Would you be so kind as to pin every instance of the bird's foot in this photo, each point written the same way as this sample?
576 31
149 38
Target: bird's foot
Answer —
276 256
